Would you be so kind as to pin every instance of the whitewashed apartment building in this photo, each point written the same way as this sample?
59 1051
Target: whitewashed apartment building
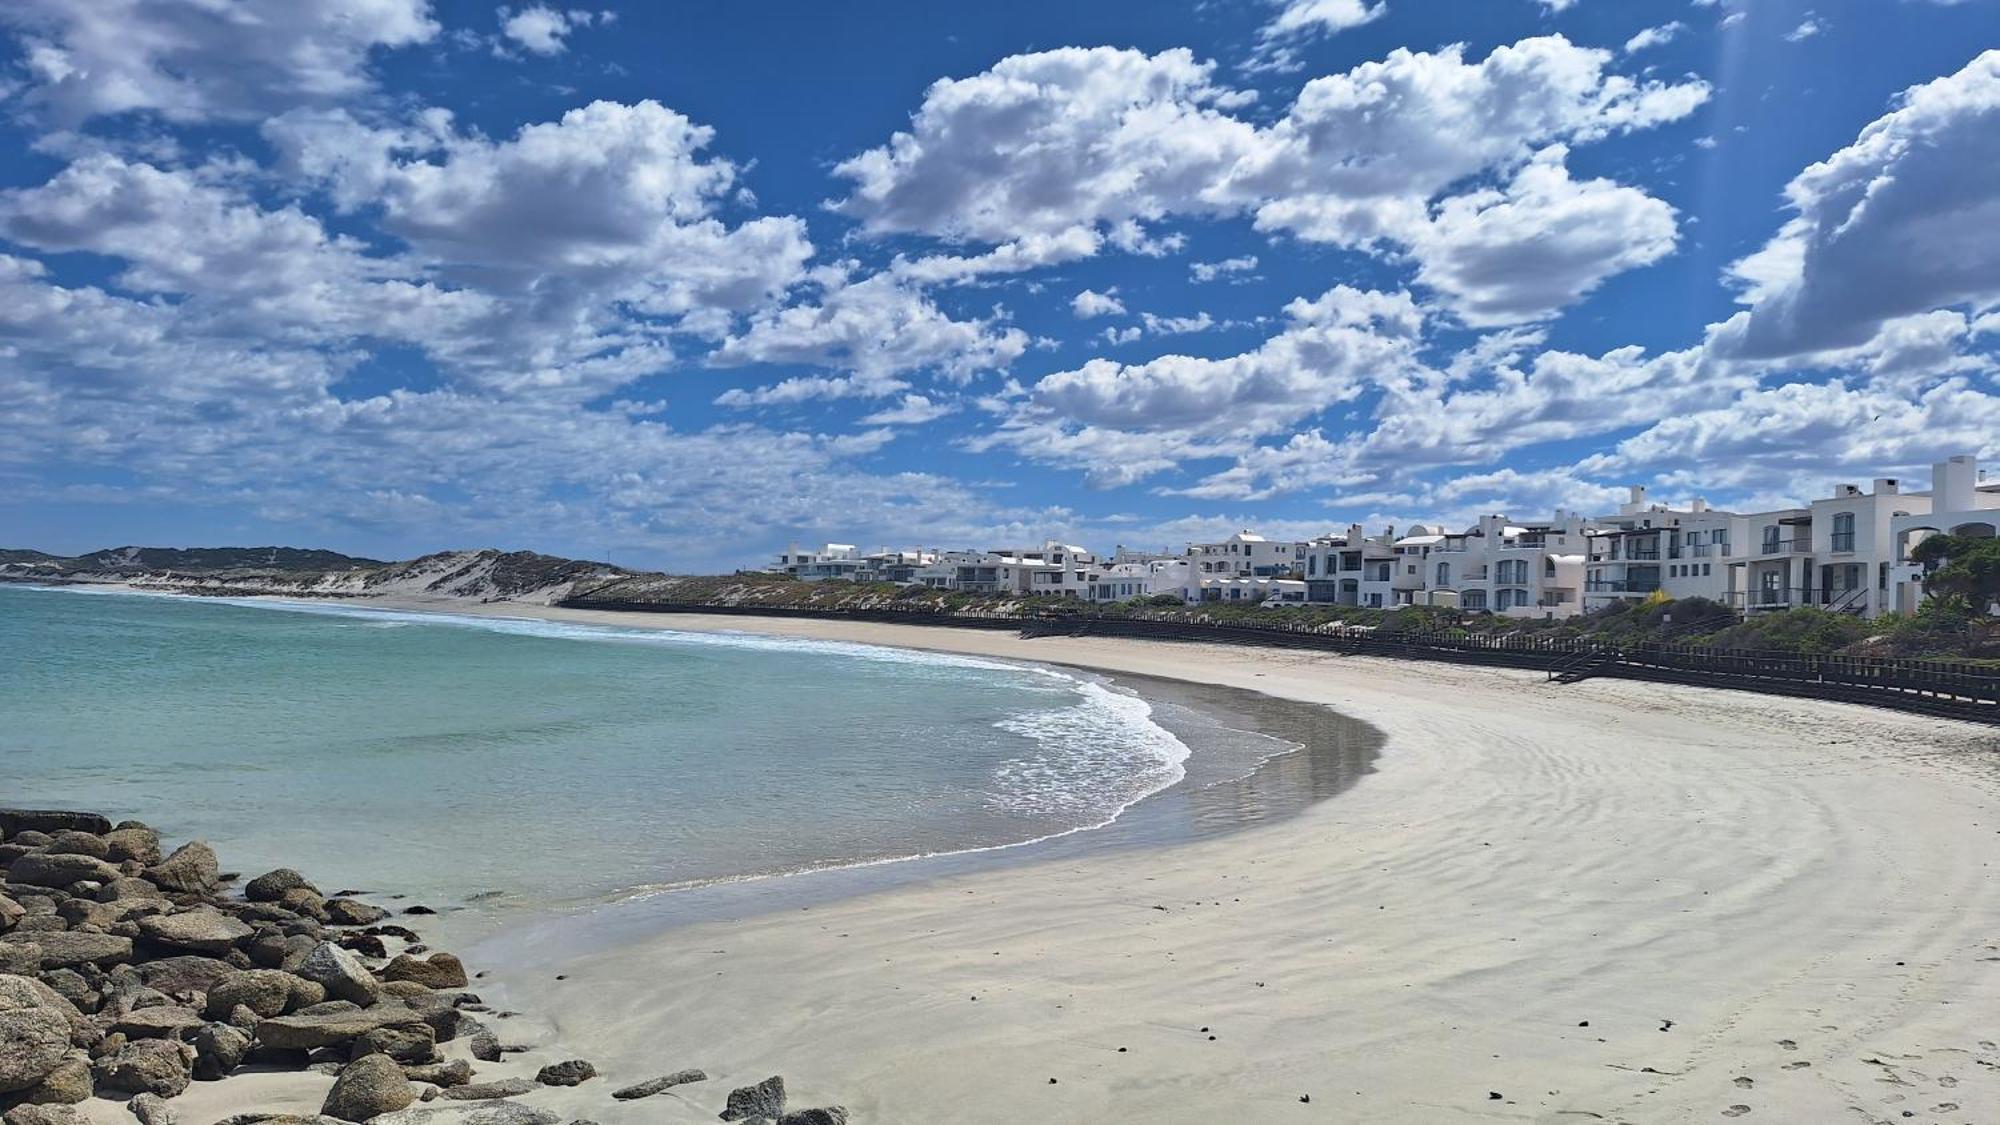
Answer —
1847 552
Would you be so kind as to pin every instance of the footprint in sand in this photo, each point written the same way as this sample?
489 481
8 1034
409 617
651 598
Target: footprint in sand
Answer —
1788 1044
1947 1081
1736 1111
1797 1065
1746 1083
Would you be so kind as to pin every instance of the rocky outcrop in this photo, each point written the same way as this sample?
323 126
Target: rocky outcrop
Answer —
658 1085
765 1099
367 1088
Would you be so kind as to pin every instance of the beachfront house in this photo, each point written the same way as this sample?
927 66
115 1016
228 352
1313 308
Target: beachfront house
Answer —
1243 555
1646 548
1838 553
834 561
1962 502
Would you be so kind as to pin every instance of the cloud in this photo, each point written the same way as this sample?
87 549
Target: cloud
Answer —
541 29
1209 271
1320 17
1904 220
1090 303
1806 30
914 410
1525 252
195 60
1654 37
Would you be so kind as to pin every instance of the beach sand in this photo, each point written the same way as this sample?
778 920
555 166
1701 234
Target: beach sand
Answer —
1609 901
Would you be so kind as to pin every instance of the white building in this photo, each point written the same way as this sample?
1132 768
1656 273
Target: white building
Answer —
1497 566
1243 555
1962 502
838 561
1683 552
1837 553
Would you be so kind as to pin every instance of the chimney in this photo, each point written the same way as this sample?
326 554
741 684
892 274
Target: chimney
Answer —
1843 491
1952 484
1885 486
1700 505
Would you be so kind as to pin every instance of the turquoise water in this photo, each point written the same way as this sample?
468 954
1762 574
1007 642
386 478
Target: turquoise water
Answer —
442 756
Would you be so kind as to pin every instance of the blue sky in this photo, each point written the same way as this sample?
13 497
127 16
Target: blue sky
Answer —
678 283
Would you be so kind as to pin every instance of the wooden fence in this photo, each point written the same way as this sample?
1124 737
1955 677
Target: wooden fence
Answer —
1956 689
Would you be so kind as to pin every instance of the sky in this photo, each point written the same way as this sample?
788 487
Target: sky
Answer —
675 284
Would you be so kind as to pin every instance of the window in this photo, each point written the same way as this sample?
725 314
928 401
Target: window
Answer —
1843 531
1444 574
1705 569
1771 539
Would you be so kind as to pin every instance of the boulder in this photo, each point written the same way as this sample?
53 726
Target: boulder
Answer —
831 1115
11 913
67 1084
71 842
186 974
203 930
304 901
280 1119
475 1113
146 1066
20 958
571 1072
218 1050
272 885
485 1046
368 1087
348 912
190 870
267 992
341 973
33 1042
64 948
127 887
13 822
162 1022
765 1099
151 1109
33 1114
440 970
487 1091
457 1072
310 1028
659 1085
414 1043
137 844
58 869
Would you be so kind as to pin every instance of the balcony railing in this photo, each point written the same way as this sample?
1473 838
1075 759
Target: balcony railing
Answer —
1843 541
1802 546
1621 586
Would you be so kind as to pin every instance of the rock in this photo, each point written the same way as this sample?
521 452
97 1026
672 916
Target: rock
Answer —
831 1115
137 844
485 1046
186 974
661 1084
440 970
151 1109
456 1072
67 1084
54 869
341 973
347 912
765 1099
45 1115
148 1066
267 992
13 822
307 1029
416 1043
280 1119
71 842
218 1050
478 1113
486 1091
191 869
33 1042
158 1023
367 1087
203 930
60 949
127 887
272 885
305 901
11 913
572 1072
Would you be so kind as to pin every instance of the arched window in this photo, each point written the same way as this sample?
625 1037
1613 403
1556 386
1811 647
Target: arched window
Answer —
1444 574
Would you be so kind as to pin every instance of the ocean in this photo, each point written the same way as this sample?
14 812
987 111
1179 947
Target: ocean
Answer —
448 756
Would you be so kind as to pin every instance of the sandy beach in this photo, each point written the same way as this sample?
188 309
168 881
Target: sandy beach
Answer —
1608 901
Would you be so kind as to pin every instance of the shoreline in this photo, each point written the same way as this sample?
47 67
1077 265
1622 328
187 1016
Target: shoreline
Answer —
1605 901
1609 901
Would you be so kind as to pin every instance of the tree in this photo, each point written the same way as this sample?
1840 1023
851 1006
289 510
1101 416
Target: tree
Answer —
1961 568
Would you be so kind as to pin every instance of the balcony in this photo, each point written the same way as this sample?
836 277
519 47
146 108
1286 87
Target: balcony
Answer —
1842 542
1622 586
1800 546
